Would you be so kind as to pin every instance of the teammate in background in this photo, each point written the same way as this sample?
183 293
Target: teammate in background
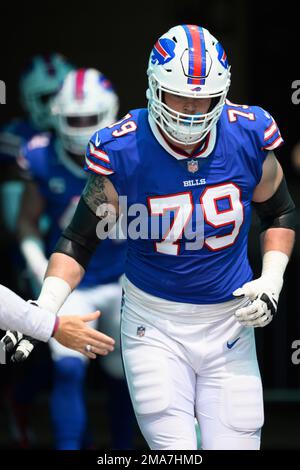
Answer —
190 303
28 318
85 102
39 82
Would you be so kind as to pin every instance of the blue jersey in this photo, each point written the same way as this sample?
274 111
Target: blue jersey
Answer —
13 136
61 188
219 178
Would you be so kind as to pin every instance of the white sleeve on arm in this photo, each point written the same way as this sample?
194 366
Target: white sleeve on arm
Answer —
16 314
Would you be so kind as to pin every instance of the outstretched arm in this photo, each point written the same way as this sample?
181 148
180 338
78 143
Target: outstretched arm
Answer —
278 236
277 213
67 266
78 242
22 317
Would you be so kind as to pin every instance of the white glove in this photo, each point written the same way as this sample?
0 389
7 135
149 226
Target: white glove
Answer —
19 346
263 292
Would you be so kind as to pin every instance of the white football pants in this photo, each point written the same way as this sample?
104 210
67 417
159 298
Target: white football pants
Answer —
107 299
184 361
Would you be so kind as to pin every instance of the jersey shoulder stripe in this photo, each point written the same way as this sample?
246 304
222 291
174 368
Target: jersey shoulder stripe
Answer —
96 167
35 155
257 123
272 136
107 143
269 134
96 159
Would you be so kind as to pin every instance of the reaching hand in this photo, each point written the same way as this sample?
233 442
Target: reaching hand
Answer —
74 333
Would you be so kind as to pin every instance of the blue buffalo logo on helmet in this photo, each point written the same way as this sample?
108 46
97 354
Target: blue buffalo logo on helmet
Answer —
222 57
163 51
105 83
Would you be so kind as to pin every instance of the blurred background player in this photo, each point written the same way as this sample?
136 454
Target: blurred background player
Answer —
86 102
40 80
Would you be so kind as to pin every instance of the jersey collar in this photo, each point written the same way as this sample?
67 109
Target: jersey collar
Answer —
202 152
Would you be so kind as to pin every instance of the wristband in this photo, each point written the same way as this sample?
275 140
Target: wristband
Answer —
53 294
56 325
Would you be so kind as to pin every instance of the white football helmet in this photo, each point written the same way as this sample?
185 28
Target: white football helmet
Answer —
85 103
39 82
187 61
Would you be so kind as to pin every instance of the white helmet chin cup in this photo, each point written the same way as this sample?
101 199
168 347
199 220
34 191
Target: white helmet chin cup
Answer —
76 144
187 61
85 104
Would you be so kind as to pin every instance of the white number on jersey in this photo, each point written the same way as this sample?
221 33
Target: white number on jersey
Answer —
183 206
216 218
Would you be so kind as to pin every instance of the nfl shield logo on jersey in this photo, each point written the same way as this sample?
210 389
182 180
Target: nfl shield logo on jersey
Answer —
140 331
193 166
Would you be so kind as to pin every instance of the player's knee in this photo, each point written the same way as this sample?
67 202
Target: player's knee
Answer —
69 369
242 403
233 441
148 381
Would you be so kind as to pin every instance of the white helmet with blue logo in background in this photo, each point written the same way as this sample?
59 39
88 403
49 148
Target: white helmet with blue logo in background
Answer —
187 61
86 102
39 82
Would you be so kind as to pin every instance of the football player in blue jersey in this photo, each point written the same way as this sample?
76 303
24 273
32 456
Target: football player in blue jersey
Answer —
39 82
197 163
86 102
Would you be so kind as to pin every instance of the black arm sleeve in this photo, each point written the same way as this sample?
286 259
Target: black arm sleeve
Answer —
79 240
278 211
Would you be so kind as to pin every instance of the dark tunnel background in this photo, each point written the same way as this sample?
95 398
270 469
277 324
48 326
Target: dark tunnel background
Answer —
261 41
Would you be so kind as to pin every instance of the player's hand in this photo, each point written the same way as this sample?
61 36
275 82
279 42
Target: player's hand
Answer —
19 346
264 295
74 332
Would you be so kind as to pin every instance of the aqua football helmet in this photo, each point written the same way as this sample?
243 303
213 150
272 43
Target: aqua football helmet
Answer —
39 82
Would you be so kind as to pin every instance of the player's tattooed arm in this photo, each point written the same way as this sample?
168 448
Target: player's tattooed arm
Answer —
100 194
